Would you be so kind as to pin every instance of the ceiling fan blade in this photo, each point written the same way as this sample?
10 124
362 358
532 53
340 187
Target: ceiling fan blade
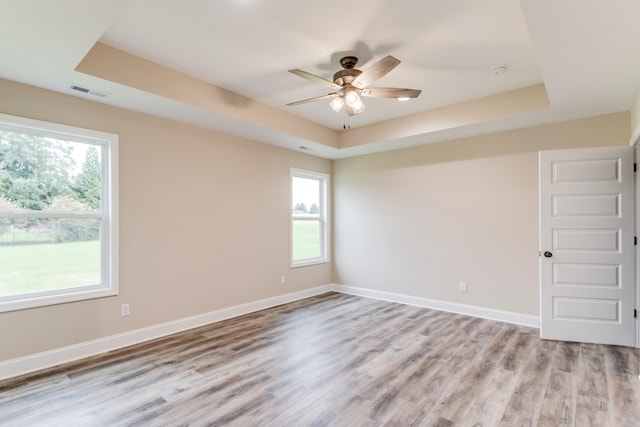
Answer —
317 98
315 79
390 92
374 72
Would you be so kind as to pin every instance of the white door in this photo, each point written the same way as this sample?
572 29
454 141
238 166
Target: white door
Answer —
587 289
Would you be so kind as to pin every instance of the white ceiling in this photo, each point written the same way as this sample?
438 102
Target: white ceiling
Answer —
583 51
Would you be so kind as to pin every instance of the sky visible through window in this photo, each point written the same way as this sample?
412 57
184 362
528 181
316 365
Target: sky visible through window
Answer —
79 153
306 191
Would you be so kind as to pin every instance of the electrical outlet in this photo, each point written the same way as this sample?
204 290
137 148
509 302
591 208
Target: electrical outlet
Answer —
124 310
283 280
462 287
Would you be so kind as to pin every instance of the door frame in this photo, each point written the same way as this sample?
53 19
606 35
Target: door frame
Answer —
636 156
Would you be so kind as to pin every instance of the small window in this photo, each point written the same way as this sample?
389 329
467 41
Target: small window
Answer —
58 214
309 228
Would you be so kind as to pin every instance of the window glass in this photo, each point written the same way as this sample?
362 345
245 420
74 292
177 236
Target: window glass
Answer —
308 217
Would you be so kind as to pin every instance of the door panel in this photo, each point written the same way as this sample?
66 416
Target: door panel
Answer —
592 205
601 241
603 275
581 171
587 288
586 309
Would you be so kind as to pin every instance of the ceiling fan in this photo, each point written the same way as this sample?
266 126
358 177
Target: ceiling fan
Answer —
349 83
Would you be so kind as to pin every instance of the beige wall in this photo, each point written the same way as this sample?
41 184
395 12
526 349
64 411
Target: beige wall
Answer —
414 221
418 221
204 224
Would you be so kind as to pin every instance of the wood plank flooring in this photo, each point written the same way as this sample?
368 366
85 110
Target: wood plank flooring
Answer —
338 360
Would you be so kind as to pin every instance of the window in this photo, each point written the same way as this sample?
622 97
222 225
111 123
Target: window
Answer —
58 213
309 235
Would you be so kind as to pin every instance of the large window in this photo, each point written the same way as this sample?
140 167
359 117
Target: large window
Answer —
58 213
309 228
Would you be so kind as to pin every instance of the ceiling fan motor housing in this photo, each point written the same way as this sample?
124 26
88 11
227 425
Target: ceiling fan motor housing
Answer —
346 76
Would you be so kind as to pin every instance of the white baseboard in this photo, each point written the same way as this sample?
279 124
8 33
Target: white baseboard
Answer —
15 367
48 359
469 310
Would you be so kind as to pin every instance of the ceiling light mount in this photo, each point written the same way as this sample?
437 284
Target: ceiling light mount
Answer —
348 62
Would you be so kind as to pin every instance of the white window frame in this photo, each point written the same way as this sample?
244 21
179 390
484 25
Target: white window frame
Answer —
108 213
323 217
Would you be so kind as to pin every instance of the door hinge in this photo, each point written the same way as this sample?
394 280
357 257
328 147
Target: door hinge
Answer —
635 313
635 240
635 167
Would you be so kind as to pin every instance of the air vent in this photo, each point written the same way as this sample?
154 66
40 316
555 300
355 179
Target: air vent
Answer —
80 89
90 91
100 94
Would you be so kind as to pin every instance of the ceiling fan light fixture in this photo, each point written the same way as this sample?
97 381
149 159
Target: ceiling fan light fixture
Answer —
353 101
352 98
403 98
337 104
358 106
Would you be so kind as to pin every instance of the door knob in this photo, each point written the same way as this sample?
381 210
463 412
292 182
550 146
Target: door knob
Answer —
548 254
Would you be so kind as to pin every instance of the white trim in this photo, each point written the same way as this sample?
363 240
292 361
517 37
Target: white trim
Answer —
635 136
636 183
47 359
35 362
453 307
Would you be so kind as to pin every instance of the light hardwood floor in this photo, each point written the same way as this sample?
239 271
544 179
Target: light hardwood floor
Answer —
338 360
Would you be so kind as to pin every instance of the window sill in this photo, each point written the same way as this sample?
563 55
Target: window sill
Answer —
46 300
307 263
